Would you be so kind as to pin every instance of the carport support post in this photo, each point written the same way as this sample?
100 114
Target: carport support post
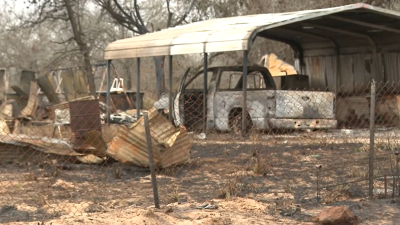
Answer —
371 141
171 103
138 95
244 106
108 90
205 92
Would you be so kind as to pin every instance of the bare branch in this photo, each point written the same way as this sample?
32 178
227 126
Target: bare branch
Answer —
170 14
183 17
139 16
63 42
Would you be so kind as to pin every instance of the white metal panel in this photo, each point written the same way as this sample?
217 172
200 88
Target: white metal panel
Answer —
228 33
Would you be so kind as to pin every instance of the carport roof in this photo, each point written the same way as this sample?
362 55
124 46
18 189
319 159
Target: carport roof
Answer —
354 28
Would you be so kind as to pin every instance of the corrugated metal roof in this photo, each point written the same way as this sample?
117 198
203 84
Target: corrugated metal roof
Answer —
232 34
171 145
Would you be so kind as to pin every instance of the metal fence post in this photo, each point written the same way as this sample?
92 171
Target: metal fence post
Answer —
371 141
151 162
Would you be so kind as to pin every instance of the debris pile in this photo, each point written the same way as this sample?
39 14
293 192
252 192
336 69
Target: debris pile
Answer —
81 121
171 145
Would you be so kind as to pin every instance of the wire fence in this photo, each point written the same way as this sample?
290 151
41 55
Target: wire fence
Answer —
67 158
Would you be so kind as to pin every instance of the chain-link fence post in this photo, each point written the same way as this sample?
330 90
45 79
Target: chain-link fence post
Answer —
371 141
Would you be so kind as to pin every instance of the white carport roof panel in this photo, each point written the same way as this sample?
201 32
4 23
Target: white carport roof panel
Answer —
225 34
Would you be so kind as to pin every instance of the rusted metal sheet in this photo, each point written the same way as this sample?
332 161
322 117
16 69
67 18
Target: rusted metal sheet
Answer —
26 78
129 146
48 146
179 152
22 98
85 117
43 144
47 85
161 129
31 106
68 85
80 85
65 106
171 145
2 84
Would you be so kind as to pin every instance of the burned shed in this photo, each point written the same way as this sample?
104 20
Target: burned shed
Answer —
341 49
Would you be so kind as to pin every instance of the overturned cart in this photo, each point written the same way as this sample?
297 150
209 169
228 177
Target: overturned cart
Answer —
171 145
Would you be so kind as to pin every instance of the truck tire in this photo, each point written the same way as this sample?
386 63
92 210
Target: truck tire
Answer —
235 122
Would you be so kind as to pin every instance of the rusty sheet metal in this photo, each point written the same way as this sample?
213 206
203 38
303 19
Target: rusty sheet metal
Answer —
43 144
161 128
129 146
179 152
49 146
31 106
47 85
171 145
85 117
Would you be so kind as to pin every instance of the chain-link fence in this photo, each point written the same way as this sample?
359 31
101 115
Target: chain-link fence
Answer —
63 159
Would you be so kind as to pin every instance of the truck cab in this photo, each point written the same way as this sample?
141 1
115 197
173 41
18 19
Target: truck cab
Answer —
267 107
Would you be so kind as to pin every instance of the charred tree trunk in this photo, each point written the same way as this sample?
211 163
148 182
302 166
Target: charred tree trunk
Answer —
160 75
83 48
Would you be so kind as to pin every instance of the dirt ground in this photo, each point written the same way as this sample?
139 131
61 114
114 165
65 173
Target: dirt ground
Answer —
272 181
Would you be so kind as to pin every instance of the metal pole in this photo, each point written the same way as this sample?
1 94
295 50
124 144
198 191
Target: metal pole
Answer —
244 107
151 161
205 92
108 90
171 103
371 140
138 94
397 175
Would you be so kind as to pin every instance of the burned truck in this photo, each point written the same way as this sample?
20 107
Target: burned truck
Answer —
268 107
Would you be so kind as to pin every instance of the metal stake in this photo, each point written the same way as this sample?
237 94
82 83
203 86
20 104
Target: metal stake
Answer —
171 100
319 167
108 90
151 161
397 174
371 141
244 107
138 95
205 92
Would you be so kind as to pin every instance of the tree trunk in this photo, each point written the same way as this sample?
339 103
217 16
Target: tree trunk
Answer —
89 73
160 76
83 48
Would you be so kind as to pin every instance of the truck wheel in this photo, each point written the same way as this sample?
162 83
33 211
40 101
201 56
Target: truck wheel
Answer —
236 124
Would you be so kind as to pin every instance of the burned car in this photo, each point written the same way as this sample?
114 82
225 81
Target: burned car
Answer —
268 107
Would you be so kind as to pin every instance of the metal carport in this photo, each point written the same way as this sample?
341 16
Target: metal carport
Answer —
350 29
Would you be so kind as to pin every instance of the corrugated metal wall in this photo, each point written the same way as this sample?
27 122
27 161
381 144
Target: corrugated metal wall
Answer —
355 71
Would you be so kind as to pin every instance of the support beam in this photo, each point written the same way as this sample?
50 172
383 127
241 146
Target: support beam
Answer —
205 87
108 90
244 106
171 101
375 26
138 95
303 33
340 31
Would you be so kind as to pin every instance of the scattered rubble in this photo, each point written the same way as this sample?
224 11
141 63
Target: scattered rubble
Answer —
85 116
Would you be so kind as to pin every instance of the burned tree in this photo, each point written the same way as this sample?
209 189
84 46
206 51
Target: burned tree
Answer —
146 18
70 13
